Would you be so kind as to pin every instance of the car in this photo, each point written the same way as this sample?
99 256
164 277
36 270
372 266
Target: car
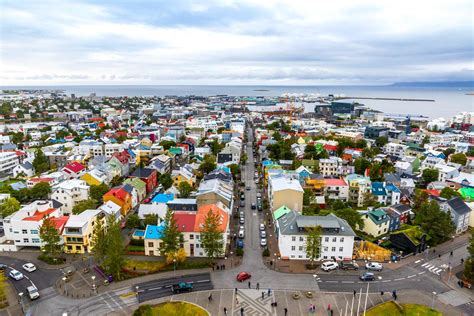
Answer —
240 243
242 276
242 203
247 188
263 234
253 206
147 200
259 195
241 233
29 267
259 207
16 275
182 287
262 226
242 214
241 227
329 266
374 266
33 292
242 197
263 242
348 265
367 276
242 220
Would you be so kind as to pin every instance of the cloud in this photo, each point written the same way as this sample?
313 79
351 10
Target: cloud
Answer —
221 42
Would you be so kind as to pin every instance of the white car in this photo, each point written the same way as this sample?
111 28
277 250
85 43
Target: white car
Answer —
374 266
329 266
263 234
263 242
241 233
29 267
33 292
17 275
262 226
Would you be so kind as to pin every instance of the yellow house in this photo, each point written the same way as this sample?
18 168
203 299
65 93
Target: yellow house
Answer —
315 182
93 178
376 222
120 197
79 229
285 191
183 174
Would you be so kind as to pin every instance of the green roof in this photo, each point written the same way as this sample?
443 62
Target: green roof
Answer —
281 211
467 193
414 233
176 150
137 183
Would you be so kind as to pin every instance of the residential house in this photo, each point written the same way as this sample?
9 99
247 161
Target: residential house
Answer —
285 191
69 193
139 185
386 193
120 197
459 212
376 222
33 181
315 182
73 170
96 177
330 167
409 240
161 163
336 189
24 169
184 174
119 165
446 172
79 230
8 161
395 149
213 191
359 188
183 205
147 175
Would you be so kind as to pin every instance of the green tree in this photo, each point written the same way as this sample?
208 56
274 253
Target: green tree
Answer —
468 273
81 206
41 162
308 196
171 235
150 219
165 180
429 175
208 164
244 158
133 221
17 137
99 241
216 146
115 253
40 191
376 172
184 189
434 222
10 206
352 217
381 141
235 170
459 158
277 136
116 181
419 198
313 243
361 144
360 165
449 193
448 151
425 141
97 191
167 144
311 210
211 236
50 238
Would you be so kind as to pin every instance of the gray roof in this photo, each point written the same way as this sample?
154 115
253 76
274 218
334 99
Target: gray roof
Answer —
458 206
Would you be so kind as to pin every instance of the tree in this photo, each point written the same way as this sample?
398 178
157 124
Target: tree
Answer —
308 196
311 210
133 221
211 236
17 137
468 273
448 193
40 191
244 158
361 143
459 158
419 198
99 241
50 238
176 257
352 217
116 181
429 175
98 191
235 170
171 235
434 222
167 144
360 165
10 206
150 219
375 172
448 151
184 189
81 206
369 199
381 141
115 253
313 243
277 136
216 146
41 162
165 180
208 164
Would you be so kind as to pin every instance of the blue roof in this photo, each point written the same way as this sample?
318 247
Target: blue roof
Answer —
154 231
163 198
224 168
378 188
390 187
17 186
267 162
131 152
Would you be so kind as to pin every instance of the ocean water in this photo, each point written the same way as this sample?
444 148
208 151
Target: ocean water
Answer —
449 101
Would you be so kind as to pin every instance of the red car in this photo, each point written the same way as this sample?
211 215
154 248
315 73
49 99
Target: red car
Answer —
242 276
147 200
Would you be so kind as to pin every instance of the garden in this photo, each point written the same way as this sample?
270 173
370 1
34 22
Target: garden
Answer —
394 309
171 309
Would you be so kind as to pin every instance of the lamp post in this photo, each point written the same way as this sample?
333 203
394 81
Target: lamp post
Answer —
93 284
174 266
427 251
433 301
380 279
65 286
21 302
231 259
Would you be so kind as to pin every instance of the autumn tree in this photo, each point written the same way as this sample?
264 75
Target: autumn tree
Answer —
50 238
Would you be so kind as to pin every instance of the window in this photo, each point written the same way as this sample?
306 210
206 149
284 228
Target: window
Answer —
333 249
197 237
300 256
26 240
325 257
191 236
341 249
35 240
293 248
301 239
292 256
150 244
197 245
24 231
78 248
342 239
334 239
16 232
293 238
34 232
326 239
300 248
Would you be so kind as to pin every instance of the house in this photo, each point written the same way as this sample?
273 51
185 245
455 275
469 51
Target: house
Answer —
404 212
183 205
315 182
73 170
386 193
161 163
119 165
359 187
79 230
213 191
403 167
459 212
96 177
221 174
409 240
147 175
111 210
329 167
303 172
337 238
158 209
8 161
184 174
446 172
24 169
133 193
395 149
139 185
285 191
336 189
120 197
69 193
376 222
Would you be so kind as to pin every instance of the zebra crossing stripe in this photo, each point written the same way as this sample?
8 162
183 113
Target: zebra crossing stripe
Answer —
425 264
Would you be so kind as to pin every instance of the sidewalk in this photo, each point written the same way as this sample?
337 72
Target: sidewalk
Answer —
14 307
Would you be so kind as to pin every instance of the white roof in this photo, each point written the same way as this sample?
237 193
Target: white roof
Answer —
283 183
147 209
80 220
71 184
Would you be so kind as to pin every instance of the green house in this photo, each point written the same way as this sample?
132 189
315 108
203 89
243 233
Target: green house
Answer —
139 185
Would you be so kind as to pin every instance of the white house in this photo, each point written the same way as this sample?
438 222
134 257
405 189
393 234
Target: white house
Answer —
8 161
329 167
25 169
70 192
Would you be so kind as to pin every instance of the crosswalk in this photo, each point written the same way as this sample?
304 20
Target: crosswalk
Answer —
432 268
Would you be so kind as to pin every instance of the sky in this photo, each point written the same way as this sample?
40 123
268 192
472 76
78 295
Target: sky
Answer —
267 42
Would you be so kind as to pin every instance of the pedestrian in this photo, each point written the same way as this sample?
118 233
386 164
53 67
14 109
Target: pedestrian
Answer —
269 291
263 295
235 290
286 311
439 257
329 307
332 312
210 297
258 286
451 254
355 293
241 311
225 311
249 284
236 300
381 293
462 260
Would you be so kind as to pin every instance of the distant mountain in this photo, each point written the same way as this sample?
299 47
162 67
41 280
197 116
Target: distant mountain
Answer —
440 84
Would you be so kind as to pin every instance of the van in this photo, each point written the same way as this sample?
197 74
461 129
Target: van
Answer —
329 266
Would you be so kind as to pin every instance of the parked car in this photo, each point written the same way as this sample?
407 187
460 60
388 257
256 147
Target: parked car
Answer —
367 276
182 287
253 206
263 242
241 233
242 197
259 195
248 188
240 243
242 220
259 207
16 275
242 276
33 292
329 266
262 226
263 234
348 265
242 214
242 203
29 267
374 266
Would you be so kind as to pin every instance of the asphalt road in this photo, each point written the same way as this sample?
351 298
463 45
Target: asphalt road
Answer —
162 287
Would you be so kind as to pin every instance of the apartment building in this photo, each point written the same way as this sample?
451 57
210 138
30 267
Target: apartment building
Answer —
283 190
8 161
79 229
69 193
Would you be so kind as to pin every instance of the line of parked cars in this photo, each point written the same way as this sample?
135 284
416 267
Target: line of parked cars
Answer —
17 276
351 265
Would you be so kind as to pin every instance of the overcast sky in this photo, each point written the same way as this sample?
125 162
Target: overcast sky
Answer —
235 42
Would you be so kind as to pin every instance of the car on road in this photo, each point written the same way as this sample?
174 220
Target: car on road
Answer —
242 220
367 276
16 275
182 287
242 276
263 242
241 233
263 234
262 226
240 243
259 195
33 292
242 203
29 267
348 265
374 266
247 188
253 206
329 266
242 214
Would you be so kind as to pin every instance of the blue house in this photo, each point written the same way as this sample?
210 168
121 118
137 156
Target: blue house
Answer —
162 198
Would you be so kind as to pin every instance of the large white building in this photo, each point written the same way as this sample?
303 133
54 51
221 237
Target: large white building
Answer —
70 192
337 238
8 161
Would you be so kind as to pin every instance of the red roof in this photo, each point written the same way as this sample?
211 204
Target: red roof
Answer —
37 180
202 214
334 182
433 192
118 192
20 153
59 222
37 216
74 167
185 221
330 147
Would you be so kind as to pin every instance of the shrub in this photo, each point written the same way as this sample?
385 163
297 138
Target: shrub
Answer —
239 252
137 242
143 310
266 253
50 260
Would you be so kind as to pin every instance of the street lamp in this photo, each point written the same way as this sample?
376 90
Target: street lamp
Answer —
174 266
231 259
93 284
21 302
427 251
433 301
65 288
380 279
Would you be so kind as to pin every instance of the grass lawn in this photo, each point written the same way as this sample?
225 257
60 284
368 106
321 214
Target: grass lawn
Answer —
172 309
150 266
391 309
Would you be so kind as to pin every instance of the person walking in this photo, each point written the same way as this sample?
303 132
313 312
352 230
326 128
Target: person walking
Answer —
263 295
249 284
286 311
241 311
451 254
269 292
355 293
258 286
235 290
225 311
236 300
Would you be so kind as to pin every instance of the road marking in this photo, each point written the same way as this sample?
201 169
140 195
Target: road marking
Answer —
347 282
432 268
421 272
411 276
385 281
332 281
155 288
437 271
399 279
202 281
417 261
